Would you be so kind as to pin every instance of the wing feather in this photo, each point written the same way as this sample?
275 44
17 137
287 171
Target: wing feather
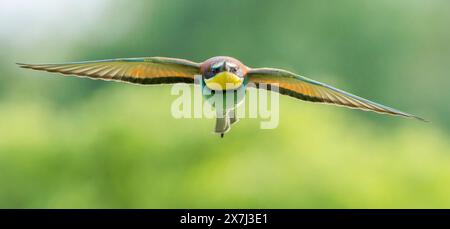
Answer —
150 70
310 90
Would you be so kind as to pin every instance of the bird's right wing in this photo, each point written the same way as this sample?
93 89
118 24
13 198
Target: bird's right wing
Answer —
150 70
306 89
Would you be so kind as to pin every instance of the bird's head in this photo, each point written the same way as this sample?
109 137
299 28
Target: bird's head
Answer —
223 73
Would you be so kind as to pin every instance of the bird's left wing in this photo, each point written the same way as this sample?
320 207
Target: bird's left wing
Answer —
306 89
149 70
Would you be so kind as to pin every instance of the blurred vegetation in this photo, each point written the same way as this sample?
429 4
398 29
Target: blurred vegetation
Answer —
75 143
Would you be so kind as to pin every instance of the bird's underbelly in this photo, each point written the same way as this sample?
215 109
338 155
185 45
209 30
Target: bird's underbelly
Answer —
223 100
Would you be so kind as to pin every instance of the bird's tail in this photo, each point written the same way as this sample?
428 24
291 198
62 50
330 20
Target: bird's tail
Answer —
224 122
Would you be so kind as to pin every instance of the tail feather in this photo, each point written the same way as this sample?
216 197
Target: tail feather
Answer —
224 122
234 119
222 125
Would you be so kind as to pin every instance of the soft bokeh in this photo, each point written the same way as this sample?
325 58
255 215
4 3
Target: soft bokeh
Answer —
75 143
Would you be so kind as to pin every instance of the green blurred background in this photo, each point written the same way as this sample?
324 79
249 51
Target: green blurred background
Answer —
75 143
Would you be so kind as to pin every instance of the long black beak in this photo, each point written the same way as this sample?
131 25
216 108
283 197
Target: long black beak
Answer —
224 67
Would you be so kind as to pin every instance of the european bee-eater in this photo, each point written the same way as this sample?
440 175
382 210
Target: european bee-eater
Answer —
219 73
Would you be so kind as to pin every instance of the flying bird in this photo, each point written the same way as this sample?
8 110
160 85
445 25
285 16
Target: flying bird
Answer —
219 73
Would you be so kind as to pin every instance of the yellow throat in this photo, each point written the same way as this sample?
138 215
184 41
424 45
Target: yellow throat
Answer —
224 81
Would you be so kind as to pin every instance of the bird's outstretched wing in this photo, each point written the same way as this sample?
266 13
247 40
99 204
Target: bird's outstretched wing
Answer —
309 90
149 70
